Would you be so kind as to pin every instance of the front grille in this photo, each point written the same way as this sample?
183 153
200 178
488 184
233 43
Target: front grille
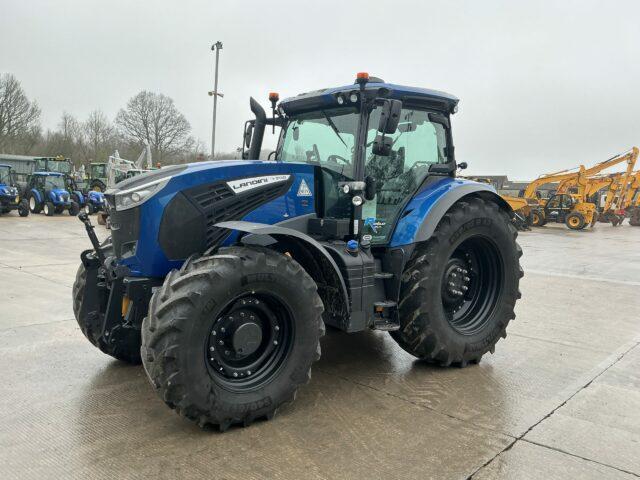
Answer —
219 203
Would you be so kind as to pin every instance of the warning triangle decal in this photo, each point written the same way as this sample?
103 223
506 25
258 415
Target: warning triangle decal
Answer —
303 189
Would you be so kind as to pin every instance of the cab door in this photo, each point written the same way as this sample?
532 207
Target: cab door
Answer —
558 207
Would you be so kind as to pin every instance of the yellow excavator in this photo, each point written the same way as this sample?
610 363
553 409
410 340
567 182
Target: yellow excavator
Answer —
631 201
574 209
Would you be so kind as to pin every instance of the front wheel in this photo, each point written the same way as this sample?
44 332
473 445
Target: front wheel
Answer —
537 218
74 209
49 209
231 336
460 287
575 221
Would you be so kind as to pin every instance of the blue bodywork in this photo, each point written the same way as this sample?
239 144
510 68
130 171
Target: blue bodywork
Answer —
8 193
426 207
150 261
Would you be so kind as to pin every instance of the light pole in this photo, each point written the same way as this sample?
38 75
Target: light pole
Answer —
214 93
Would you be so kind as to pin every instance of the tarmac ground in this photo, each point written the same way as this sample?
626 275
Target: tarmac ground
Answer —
560 398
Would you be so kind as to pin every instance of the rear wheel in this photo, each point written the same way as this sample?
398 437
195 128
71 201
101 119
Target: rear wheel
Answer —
34 205
89 209
23 208
537 217
460 288
575 221
231 336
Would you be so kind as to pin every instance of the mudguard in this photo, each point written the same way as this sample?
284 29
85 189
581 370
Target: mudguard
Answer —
263 231
36 194
422 214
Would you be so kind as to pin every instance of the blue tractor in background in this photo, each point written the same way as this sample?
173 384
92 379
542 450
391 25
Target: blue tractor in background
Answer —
46 192
10 193
221 276
90 201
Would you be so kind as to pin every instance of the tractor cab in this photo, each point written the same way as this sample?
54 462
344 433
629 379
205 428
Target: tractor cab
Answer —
372 144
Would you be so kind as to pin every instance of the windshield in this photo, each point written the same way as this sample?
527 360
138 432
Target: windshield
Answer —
61 166
5 176
54 182
325 138
98 171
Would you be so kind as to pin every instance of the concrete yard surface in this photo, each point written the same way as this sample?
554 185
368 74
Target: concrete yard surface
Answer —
560 398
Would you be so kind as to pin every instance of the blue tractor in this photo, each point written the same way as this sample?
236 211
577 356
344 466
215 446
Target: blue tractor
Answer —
9 193
221 276
90 201
46 192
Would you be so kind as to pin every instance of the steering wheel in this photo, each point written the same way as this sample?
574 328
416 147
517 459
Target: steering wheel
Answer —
334 158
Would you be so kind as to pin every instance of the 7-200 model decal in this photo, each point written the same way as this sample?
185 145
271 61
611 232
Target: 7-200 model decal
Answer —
244 184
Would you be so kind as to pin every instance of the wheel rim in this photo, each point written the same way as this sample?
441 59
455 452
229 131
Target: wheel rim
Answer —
536 219
46 209
249 340
86 209
32 203
574 221
471 284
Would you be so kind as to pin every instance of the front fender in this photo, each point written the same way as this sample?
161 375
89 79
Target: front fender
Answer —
422 214
261 231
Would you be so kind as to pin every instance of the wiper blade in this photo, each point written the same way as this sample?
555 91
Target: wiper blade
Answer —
333 127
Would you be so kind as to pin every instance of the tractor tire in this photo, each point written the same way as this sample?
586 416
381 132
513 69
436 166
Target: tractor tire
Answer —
89 209
49 209
594 220
537 218
460 287
125 344
634 218
23 208
34 206
74 209
59 209
98 186
575 221
219 370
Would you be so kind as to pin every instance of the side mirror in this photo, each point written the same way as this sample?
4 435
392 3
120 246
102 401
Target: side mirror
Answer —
462 165
382 146
248 133
370 187
389 116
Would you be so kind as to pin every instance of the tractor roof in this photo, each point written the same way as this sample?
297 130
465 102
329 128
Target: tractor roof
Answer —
327 97
2 165
49 174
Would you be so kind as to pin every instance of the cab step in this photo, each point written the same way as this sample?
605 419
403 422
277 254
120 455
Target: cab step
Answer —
386 316
383 275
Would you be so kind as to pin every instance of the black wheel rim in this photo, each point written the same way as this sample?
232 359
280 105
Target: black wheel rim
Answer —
249 341
471 284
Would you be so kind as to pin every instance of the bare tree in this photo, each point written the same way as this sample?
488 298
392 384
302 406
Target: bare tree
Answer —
98 134
18 116
155 118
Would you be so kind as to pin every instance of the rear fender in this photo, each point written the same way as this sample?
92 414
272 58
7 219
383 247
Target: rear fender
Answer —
313 257
422 215
36 194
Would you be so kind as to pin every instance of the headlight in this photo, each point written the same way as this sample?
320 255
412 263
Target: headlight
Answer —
138 195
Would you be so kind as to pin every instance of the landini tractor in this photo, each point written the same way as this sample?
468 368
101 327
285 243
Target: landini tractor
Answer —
220 276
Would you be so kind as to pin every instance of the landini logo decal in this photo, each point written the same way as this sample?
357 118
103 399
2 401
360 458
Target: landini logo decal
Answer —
303 189
244 184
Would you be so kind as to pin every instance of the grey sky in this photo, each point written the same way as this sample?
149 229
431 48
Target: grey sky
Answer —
544 85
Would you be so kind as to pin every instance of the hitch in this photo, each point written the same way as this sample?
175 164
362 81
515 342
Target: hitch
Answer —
84 218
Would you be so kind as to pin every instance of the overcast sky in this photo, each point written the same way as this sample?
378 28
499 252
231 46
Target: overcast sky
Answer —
544 85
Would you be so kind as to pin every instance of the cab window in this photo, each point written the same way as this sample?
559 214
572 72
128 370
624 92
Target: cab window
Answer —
417 144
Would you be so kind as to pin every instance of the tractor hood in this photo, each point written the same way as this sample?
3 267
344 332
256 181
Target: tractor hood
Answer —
7 190
59 195
148 210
